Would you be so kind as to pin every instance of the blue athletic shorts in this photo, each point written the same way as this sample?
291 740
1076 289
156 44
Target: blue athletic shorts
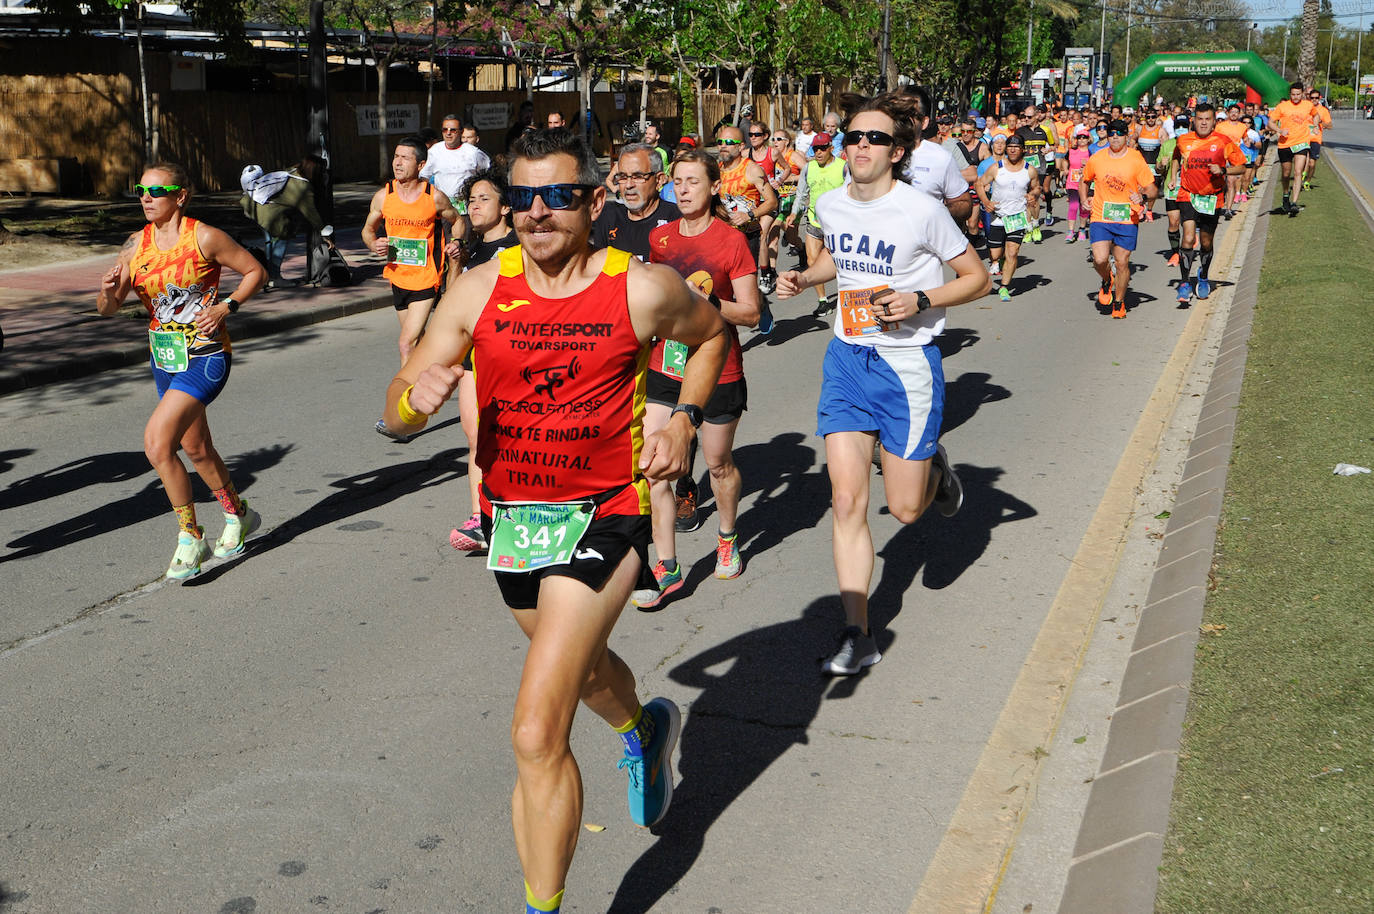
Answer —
203 379
897 392
1123 236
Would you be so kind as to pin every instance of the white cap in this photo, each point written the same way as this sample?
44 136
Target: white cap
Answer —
327 232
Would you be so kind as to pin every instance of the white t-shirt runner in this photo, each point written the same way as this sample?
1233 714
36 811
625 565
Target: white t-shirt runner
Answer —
451 168
932 169
901 240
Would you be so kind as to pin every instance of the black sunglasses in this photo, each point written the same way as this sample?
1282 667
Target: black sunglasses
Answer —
756 133
874 137
156 190
555 196
1116 133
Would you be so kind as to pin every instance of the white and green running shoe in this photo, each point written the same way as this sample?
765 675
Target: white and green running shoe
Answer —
191 551
236 532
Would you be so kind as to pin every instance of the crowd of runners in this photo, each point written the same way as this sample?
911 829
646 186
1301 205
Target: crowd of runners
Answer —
588 326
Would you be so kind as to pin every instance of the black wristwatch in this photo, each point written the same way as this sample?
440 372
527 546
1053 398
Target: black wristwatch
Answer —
229 303
692 411
922 301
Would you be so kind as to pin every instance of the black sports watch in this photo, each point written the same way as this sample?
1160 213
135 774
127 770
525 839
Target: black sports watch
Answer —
692 411
232 305
922 301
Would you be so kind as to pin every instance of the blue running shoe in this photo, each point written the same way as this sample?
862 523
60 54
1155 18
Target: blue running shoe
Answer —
651 776
765 321
1204 288
1185 291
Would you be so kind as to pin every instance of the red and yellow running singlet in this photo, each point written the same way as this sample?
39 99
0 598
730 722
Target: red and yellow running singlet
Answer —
415 241
176 285
562 391
1198 155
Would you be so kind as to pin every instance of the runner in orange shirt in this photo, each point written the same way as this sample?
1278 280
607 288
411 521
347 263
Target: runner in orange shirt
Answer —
1208 159
1291 122
1233 128
1320 123
1122 184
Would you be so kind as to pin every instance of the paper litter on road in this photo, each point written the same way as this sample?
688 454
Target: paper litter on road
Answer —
1349 469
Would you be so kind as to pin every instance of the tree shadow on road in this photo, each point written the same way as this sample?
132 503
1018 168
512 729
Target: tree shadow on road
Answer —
356 494
145 504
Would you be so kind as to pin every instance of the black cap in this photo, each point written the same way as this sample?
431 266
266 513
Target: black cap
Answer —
1016 140
1118 126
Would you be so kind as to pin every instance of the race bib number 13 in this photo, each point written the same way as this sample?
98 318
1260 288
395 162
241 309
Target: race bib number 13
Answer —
856 312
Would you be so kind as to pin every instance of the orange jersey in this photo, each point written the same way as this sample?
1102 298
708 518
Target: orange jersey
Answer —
1295 119
1198 155
1114 179
1232 130
175 285
561 391
1322 121
415 241
734 182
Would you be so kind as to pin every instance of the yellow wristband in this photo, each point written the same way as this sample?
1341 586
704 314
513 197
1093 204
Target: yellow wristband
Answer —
407 413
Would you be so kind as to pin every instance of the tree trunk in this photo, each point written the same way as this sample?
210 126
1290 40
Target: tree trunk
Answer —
1307 55
317 130
644 97
383 153
433 48
744 87
6 236
143 93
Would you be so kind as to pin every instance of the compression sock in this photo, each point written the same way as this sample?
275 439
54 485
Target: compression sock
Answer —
1185 263
229 499
1204 263
1286 203
638 733
1173 241
535 906
186 518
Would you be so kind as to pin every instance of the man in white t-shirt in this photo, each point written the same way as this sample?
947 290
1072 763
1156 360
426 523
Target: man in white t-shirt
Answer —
887 245
453 162
804 138
932 169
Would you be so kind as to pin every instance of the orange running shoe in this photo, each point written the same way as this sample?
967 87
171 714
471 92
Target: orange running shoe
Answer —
1104 294
1119 310
1173 259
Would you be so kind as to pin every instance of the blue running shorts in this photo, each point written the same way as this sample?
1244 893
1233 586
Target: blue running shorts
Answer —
899 392
203 379
1120 234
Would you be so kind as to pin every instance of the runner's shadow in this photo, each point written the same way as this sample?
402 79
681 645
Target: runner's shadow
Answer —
787 329
759 693
119 466
7 458
145 504
1028 282
965 395
955 340
357 494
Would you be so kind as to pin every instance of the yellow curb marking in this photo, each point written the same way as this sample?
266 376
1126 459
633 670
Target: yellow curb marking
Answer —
968 866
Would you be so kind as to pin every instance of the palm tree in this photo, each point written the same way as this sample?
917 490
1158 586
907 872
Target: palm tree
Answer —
1307 55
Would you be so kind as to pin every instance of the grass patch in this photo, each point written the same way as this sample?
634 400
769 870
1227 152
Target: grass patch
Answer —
1272 806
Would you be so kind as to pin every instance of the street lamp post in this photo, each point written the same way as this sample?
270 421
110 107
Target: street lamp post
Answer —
1285 53
1329 48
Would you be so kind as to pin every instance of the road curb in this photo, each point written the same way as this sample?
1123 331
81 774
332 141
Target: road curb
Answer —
247 326
1120 842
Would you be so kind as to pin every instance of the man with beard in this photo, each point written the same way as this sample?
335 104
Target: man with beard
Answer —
639 176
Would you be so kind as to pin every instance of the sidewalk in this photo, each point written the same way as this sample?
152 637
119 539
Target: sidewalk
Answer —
52 331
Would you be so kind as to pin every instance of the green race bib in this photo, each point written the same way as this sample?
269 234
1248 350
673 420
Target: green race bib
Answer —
527 536
169 350
1033 161
1116 212
674 359
1171 193
408 252
1205 204
1300 147
1016 222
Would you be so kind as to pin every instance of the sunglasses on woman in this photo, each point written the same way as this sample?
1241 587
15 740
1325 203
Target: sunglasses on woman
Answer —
555 196
874 137
156 190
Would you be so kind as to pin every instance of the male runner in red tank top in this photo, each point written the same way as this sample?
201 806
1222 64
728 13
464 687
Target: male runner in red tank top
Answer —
561 334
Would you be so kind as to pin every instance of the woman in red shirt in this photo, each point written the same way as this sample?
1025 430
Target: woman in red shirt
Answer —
715 259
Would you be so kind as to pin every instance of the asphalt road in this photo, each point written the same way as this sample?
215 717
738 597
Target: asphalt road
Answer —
323 724
1353 143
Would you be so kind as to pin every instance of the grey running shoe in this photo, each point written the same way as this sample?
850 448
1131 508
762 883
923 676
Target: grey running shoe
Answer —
857 651
949 493
388 433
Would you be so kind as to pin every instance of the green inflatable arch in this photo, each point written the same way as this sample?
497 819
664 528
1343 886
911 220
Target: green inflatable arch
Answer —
1257 74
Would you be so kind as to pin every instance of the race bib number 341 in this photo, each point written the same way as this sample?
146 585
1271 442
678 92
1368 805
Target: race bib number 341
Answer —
527 537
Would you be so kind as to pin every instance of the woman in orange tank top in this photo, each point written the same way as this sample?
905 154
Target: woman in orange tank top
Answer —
173 265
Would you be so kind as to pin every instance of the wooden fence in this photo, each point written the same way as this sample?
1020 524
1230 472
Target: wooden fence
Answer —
94 117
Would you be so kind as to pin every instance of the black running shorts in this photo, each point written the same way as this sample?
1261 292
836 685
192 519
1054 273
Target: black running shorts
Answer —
598 555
